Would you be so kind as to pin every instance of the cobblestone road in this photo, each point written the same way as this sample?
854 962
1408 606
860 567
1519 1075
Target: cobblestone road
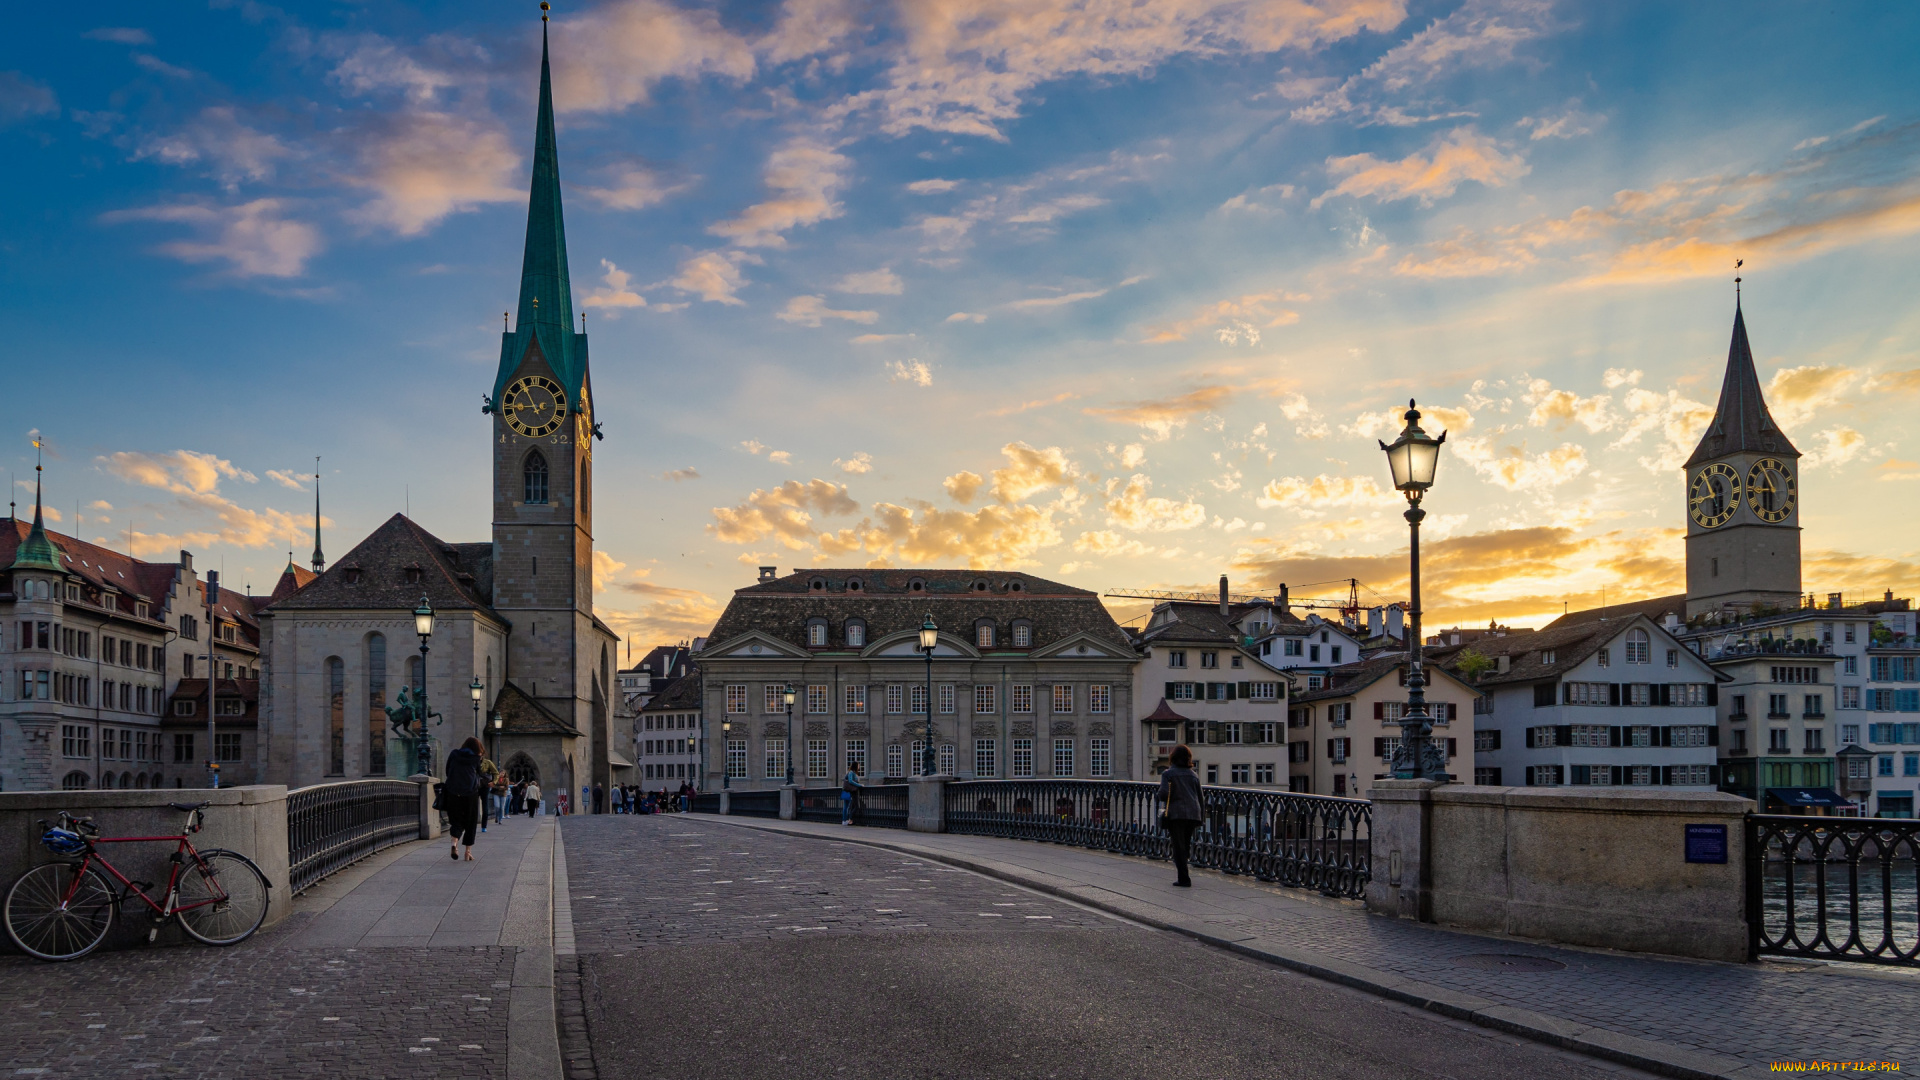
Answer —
708 950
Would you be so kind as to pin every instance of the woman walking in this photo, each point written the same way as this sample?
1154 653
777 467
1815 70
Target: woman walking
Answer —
1180 787
464 785
531 796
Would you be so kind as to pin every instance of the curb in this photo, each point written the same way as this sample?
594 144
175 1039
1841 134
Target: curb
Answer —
1597 1042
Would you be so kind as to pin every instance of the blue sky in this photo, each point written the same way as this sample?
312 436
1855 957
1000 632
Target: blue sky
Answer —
1118 294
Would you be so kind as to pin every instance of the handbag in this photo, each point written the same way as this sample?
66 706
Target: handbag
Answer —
439 796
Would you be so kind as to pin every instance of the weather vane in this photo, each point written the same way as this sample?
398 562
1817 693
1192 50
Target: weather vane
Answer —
544 8
1737 264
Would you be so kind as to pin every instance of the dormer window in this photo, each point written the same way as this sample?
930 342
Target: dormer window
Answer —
818 584
1547 656
413 574
817 633
853 585
1022 635
1015 586
916 585
980 586
983 635
351 574
856 634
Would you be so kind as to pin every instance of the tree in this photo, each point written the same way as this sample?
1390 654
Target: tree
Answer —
1472 663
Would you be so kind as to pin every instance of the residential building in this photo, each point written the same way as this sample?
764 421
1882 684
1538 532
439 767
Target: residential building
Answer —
1891 725
1613 702
1030 678
1310 648
668 745
1202 681
1343 735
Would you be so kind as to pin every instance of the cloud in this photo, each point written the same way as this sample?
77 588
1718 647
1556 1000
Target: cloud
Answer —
1299 493
254 239
1675 421
288 479
1051 210
120 35
856 465
1107 542
1460 155
1259 200
183 472
1056 301
23 99
1615 378
1132 456
1160 418
1004 536
217 137
1896 469
1255 311
193 477
677 475
617 293
963 486
882 281
605 569
617 52
670 614
713 276
1387 423
910 371
780 457
1030 471
781 513
424 165
1307 424
1569 123
632 188
810 310
1833 447
932 187
1898 382
1132 508
1511 467
965 316
161 67
1479 34
756 448
1558 408
803 178
1036 403
1797 394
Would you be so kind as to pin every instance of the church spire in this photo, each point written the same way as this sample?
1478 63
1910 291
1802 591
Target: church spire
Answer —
319 559
546 294
1741 421
37 551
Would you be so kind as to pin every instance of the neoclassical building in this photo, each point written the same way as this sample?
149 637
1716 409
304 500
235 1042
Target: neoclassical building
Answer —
515 613
1030 678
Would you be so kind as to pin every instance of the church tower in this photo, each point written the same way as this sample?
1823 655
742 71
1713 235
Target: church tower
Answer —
1743 510
543 433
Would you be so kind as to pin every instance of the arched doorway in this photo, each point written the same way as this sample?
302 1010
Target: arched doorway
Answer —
520 768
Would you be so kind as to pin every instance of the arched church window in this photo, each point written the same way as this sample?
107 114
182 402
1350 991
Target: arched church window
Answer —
336 716
376 704
536 478
586 485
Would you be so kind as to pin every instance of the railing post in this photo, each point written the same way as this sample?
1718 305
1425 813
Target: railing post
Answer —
726 803
789 802
1402 829
429 817
927 803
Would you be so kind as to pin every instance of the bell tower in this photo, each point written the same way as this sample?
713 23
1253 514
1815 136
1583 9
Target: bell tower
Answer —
1743 505
543 434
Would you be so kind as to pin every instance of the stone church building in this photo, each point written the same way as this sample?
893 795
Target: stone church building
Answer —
514 614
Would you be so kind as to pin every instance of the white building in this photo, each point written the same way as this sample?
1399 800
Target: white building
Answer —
1201 681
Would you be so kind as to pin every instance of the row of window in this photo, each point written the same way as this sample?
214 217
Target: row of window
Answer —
1779 706
1223 691
1780 740
1610 775
1898 734
52 637
816 759
1209 658
672 770
1894 669
669 746
675 722
45 685
134 654
1632 694
911 698
133 744
80 781
985 634
1293 646
1595 735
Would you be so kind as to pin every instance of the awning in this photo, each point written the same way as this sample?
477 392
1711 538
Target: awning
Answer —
1807 796
618 761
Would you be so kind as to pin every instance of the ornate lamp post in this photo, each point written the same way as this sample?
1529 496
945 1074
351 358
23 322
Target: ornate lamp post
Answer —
476 691
423 625
929 640
726 759
789 696
1413 457
499 723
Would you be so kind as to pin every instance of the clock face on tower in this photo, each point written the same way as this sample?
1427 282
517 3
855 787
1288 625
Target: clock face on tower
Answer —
1714 495
1770 489
534 406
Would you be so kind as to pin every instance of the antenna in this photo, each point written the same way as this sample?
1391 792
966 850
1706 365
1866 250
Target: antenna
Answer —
503 322
1737 264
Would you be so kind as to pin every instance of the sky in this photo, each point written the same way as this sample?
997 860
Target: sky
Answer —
1119 294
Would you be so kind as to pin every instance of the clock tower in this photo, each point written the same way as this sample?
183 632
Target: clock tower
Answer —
543 434
1743 507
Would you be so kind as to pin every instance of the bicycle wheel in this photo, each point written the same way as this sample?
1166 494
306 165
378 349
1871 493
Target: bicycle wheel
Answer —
44 922
223 899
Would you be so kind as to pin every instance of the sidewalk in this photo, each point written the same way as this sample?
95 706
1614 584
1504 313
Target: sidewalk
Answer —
1683 1018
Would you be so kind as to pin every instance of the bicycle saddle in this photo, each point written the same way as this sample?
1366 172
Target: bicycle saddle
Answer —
186 807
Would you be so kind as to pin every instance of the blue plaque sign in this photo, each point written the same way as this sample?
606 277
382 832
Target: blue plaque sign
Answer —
1707 843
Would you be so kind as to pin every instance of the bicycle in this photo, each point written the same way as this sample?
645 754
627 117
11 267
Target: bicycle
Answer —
63 910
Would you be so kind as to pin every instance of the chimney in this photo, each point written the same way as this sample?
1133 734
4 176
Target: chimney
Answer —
767 573
1281 600
186 562
1834 601
1503 663
1395 621
1223 596
1376 622
1671 622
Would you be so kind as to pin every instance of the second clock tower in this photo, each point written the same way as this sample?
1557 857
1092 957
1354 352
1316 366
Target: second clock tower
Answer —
1743 509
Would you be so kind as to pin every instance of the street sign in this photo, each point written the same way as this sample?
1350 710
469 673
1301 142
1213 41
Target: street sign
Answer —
1706 843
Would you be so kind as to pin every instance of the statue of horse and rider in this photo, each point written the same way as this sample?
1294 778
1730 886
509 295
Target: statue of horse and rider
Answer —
406 711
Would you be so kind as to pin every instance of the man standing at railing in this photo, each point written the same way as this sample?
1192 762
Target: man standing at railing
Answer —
848 787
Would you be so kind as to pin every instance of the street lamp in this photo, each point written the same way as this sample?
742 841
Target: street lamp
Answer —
929 640
476 691
789 696
726 761
423 625
1412 458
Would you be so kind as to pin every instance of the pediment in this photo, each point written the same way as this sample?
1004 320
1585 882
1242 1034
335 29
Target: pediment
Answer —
1084 646
906 644
754 645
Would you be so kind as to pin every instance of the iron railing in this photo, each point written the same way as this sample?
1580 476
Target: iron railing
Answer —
332 826
707 802
817 804
1833 887
754 803
1306 841
881 806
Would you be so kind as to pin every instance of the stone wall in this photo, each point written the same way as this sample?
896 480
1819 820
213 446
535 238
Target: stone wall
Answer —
1606 869
249 820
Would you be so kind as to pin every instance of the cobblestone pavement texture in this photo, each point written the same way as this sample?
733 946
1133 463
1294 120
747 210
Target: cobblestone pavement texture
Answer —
300 999
1758 1013
708 950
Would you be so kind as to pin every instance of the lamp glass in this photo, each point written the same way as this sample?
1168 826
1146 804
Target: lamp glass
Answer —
789 694
1399 459
1423 460
474 689
423 618
499 721
929 635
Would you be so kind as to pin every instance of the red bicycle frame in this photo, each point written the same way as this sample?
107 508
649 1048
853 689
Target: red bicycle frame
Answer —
173 878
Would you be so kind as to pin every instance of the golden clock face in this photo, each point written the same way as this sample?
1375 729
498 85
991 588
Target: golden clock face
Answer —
534 406
1770 489
1714 495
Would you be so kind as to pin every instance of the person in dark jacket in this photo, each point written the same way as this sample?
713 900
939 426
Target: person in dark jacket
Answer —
464 786
1180 787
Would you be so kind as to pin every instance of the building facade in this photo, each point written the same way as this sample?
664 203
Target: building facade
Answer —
1030 678
668 748
1343 735
1201 681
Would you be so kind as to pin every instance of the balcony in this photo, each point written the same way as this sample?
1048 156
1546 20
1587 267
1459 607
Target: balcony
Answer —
1737 718
1813 716
1739 751
1779 716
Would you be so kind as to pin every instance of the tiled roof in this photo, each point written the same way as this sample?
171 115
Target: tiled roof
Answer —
1571 644
374 575
1187 621
195 690
1741 421
1653 608
292 580
679 695
1164 713
1352 678
98 566
522 715
888 604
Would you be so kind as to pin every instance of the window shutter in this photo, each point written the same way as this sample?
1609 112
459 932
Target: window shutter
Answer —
1380 748
1581 773
1666 694
1559 774
1713 693
1245 692
1563 735
1330 751
1379 710
1713 735
1453 748
1496 738
1230 690
1616 736
1542 695
1528 773
1713 775
1216 733
1619 775
1666 775
1169 694
1613 694
1566 694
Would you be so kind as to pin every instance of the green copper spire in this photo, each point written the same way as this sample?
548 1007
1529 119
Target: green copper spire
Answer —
546 294
37 552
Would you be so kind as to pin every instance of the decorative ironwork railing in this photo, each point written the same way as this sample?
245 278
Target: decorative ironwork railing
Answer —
817 804
1835 888
333 826
754 803
1306 841
707 802
882 806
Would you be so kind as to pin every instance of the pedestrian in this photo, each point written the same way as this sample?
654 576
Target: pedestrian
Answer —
530 795
517 803
847 788
463 788
1180 787
498 795
489 772
599 798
